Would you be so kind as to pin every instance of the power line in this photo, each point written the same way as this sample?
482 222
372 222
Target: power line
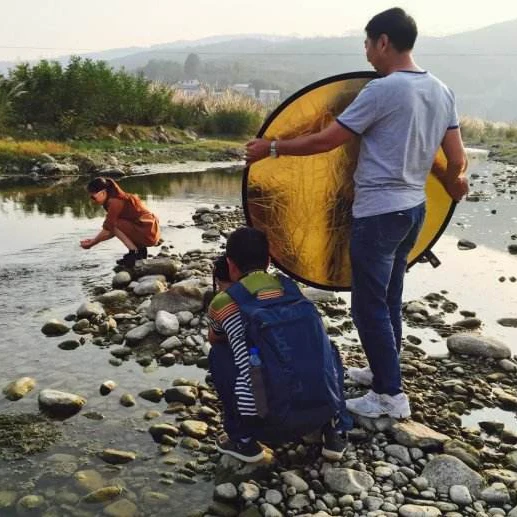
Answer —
49 48
269 54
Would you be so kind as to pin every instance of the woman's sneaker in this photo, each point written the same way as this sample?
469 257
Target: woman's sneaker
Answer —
129 259
362 376
249 452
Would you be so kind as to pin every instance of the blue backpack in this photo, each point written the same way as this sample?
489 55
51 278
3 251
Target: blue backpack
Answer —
298 365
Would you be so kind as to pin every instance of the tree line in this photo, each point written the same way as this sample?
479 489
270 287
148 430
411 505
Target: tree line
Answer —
84 93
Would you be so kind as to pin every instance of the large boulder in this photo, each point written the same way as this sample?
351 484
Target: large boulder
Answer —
480 346
496 494
116 457
134 336
114 298
194 428
54 328
506 400
445 471
121 279
464 452
59 169
232 470
415 435
159 430
19 388
157 266
89 310
149 286
60 404
167 324
348 481
188 295
319 295
508 477
414 510
185 394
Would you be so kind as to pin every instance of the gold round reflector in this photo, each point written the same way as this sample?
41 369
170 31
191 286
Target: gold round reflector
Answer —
304 203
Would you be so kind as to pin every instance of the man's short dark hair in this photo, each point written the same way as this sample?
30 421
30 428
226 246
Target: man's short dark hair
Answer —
397 25
248 248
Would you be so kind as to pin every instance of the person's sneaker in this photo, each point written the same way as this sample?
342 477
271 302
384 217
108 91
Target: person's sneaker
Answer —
362 376
141 253
396 406
128 260
373 405
249 452
334 446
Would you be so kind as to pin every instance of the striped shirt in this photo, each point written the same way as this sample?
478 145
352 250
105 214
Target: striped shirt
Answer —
225 318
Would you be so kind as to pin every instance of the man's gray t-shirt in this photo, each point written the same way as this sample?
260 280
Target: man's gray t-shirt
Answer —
402 119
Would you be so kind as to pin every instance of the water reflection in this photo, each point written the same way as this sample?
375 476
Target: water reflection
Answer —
70 197
508 418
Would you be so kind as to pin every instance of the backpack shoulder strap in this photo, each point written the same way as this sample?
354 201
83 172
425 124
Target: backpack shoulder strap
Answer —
240 295
289 286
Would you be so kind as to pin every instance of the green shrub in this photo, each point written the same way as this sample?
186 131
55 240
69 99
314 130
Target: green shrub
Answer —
233 114
84 94
233 122
187 112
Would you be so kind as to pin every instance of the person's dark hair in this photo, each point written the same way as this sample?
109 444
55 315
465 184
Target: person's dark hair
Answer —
248 248
220 270
397 25
110 186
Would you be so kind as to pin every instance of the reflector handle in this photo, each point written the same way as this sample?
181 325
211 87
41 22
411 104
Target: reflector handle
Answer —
432 259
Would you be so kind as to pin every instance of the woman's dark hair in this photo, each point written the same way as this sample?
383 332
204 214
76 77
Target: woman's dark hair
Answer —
248 248
397 25
220 271
110 186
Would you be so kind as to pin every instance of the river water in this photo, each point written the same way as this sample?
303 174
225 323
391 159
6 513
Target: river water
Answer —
45 274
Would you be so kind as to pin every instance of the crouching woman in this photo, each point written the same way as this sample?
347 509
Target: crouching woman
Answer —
127 218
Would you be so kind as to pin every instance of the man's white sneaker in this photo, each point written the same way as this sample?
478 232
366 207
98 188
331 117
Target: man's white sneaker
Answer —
369 405
362 376
373 405
396 406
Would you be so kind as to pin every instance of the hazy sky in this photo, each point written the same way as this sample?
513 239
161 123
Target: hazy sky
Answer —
54 27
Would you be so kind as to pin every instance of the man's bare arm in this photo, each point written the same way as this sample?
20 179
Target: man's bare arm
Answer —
453 177
325 140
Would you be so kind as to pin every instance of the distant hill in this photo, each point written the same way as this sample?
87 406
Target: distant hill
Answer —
480 65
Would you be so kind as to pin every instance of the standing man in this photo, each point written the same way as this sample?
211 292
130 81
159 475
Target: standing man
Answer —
402 118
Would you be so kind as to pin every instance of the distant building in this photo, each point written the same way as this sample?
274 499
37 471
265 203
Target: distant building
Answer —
269 96
243 89
190 88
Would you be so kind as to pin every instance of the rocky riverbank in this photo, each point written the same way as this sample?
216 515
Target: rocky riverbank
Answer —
121 152
154 316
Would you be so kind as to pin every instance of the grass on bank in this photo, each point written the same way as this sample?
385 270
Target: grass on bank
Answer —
18 156
500 138
32 148
478 131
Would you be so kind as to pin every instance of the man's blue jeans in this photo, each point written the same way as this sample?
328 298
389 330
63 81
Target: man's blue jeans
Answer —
379 248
